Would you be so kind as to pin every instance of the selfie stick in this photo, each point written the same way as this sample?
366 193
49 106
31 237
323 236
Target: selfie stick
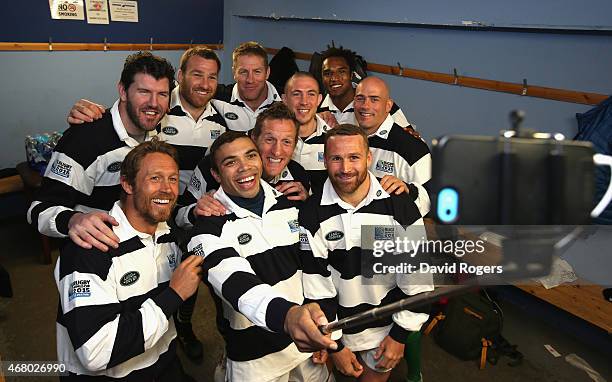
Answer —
387 310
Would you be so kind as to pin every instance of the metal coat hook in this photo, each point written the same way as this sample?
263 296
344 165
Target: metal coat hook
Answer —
50 44
105 44
524 92
401 70
456 77
151 44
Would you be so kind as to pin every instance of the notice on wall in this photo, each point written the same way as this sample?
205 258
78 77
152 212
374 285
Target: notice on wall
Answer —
97 11
67 9
124 10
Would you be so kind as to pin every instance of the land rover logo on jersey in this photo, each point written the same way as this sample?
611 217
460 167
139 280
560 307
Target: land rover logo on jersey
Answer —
244 238
129 278
285 174
170 130
385 166
114 167
320 156
378 193
214 134
232 116
334 236
383 132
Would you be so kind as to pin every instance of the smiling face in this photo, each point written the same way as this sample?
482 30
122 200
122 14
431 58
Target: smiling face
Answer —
152 197
276 143
347 159
372 103
302 97
239 168
251 73
144 103
336 75
198 83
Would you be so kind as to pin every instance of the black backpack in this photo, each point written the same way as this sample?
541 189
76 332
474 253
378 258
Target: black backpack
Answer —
470 328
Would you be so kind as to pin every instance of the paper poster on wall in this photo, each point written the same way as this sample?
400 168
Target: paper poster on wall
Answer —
67 9
124 10
97 11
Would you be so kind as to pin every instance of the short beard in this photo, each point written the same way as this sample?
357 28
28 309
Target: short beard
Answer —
133 115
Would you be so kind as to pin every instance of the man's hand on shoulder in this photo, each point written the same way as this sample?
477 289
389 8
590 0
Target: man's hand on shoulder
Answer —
208 206
293 190
91 230
392 184
85 111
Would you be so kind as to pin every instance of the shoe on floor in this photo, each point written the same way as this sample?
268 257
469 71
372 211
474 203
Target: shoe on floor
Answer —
190 343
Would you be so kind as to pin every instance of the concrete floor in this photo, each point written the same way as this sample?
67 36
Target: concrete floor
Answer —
27 329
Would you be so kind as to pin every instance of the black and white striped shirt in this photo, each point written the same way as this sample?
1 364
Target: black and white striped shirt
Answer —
398 153
83 173
331 240
191 138
309 153
114 315
252 264
348 114
202 181
238 115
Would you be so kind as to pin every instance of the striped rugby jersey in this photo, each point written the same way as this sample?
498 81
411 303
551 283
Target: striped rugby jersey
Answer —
330 239
202 181
238 115
348 114
83 173
114 315
191 138
309 153
253 267
398 153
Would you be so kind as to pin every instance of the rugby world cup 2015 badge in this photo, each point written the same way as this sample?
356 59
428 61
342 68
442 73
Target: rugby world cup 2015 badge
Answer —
294 226
385 166
384 233
79 288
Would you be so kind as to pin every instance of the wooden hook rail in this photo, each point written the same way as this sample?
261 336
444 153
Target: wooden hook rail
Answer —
478 83
103 46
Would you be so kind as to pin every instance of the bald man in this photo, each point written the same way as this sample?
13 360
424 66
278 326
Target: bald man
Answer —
399 159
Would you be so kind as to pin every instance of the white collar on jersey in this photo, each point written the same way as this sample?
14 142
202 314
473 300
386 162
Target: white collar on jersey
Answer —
125 231
270 195
327 102
384 128
375 192
175 100
122 132
271 97
321 128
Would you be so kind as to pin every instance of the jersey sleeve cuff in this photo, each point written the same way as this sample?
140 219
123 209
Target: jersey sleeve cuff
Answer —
276 314
398 333
168 301
62 219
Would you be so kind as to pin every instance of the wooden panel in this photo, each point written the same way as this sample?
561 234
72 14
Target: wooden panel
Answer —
479 83
584 301
10 184
66 46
